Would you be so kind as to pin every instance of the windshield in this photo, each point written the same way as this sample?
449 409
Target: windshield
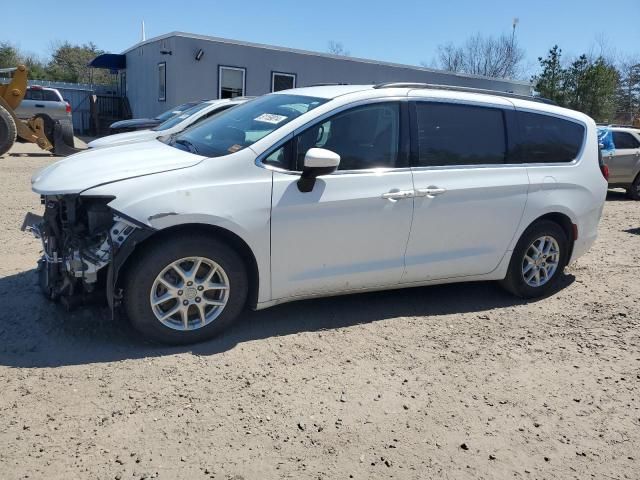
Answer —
175 111
244 125
176 119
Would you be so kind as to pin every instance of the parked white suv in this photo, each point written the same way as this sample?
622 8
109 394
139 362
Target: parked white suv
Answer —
176 124
624 160
321 191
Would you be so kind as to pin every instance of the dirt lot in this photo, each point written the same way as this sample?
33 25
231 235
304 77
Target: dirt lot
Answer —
459 381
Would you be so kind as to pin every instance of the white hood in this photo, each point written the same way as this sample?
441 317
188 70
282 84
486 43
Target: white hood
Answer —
94 167
122 138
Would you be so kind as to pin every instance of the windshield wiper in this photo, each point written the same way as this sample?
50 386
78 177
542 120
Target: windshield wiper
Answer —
192 148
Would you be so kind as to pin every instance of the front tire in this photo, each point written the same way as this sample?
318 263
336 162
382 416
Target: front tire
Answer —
537 261
185 289
8 131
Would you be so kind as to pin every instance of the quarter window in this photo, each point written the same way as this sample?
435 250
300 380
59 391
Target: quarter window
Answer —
162 82
231 82
624 140
452 134
547 139
282 81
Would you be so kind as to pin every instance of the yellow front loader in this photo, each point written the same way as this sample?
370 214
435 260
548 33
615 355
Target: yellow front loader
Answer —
13 128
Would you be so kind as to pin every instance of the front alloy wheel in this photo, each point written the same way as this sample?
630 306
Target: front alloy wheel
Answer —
185 288
189 293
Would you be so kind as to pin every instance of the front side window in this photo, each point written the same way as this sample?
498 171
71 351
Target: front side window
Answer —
365 137
244 124
162 82
624 140
548 139
455 134
231 82
33 95
282 81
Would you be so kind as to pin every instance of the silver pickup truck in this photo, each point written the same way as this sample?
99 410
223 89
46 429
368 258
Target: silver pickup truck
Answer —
47 103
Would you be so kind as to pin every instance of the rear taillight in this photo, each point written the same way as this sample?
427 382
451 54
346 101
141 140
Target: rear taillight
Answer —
68 109
604 168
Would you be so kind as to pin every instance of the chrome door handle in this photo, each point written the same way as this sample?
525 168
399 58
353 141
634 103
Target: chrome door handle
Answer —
430 192
395 196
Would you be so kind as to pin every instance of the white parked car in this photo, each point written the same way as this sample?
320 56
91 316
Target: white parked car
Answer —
176 124
322 191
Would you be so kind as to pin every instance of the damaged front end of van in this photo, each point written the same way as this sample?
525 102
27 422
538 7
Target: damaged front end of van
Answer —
84 240
83 243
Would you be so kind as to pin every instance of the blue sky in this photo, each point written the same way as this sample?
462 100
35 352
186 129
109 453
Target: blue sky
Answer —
401 31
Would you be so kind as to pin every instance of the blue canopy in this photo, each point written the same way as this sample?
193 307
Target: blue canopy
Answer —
111 61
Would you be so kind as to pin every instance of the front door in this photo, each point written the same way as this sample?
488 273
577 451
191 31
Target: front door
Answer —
350 232
468 204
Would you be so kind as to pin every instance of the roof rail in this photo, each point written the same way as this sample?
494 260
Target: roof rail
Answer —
325 84
455 88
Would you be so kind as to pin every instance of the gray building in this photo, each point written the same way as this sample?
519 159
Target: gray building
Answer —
178 67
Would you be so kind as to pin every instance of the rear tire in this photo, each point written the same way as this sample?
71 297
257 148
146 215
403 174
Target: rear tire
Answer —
529 264
166 270
8 131
67 135
633 192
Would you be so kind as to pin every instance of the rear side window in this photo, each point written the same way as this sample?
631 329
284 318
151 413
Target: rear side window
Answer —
625 140
50 96
453 134
547 139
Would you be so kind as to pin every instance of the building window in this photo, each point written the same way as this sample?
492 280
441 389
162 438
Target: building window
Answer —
282 81
231 82
162 82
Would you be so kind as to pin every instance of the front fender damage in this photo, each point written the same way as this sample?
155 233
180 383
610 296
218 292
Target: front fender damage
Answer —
113 293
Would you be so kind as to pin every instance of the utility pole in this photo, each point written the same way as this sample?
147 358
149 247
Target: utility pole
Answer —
514 24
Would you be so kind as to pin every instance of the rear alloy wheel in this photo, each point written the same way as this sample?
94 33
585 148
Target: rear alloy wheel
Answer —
541 261
537 261
633 192
185 289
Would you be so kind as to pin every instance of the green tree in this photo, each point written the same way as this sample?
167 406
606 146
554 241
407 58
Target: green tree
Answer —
628 94
586 85
69 63
550 83
9 56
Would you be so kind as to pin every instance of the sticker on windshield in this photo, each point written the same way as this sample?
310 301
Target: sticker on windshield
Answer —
270 118
234 148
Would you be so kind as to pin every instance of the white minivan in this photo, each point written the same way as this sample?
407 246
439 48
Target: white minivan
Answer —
321 191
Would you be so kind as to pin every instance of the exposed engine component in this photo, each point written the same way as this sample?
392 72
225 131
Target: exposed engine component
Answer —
80 236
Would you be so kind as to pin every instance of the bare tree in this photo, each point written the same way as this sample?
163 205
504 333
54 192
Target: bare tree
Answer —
337 48
490 56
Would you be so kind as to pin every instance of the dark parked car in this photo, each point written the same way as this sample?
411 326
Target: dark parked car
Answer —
146 123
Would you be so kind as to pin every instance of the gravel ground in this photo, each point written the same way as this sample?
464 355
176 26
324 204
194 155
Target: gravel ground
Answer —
460 381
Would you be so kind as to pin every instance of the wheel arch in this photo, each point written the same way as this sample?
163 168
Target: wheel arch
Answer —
564 221
229 237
